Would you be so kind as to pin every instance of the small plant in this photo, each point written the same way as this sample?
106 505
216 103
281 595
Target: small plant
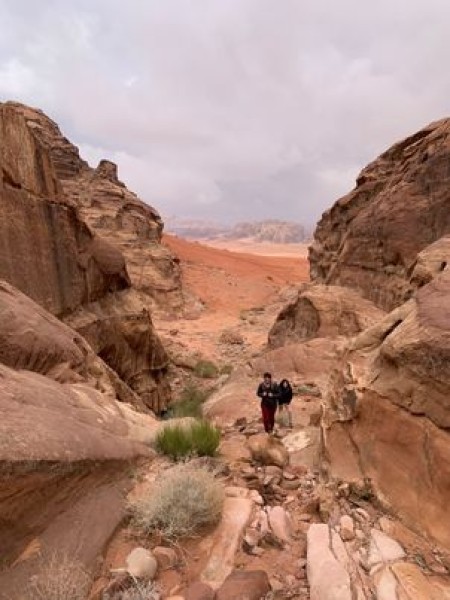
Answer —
179 503
62 578
174 441
206 369
226 369
190 402
139 590
205 438
178 441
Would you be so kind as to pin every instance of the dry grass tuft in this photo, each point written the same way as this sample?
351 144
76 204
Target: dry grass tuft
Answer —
61 578
183 499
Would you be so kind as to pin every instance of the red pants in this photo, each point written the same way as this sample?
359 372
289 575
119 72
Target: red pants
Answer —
268 416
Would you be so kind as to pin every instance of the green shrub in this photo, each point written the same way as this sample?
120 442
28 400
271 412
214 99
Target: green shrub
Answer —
205 438
179 502
206 369
174 441
178 441
190 402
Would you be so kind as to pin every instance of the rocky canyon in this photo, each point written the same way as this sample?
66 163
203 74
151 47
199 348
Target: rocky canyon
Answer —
106 322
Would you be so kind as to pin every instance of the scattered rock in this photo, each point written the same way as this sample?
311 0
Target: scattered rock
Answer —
280 523
199 591
166 557
141 563
268 450
347 528
383 549
244 585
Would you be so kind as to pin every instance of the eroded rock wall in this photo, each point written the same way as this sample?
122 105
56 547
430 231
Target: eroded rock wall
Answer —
110 209
370 238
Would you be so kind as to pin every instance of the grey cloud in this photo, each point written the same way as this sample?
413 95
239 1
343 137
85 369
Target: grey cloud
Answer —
227 108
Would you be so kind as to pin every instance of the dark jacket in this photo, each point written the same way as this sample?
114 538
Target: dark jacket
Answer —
268 393
284 392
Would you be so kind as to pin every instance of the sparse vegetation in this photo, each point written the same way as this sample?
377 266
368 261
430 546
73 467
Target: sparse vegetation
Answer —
61 578
190 402
226 369
200 438
182 500
139 590
205 438
206 369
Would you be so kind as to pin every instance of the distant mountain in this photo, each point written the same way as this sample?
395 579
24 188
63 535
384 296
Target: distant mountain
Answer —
275 231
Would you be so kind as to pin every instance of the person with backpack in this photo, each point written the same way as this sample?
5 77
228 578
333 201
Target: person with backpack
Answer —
268 392
285 394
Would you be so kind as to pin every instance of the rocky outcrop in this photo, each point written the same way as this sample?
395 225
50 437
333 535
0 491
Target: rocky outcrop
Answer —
48 251
112 211
323 311
369 240
65 442
387 415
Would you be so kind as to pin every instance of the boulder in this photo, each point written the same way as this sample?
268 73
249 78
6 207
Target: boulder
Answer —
268 450
199 591
323 311
142 564
244 585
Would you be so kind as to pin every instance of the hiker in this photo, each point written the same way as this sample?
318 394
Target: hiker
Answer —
284 400
268 392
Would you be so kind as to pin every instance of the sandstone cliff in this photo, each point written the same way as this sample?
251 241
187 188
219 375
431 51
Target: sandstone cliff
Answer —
369 239
49 252
112 211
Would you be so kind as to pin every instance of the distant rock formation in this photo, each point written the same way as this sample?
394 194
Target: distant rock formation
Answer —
49 252
274 231
369 240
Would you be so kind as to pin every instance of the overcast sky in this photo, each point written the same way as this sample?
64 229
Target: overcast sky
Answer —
231 109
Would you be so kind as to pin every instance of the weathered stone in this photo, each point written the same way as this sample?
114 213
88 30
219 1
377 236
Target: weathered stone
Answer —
268 450
323 311
244 585
320 560
166 557
199 591
370 239
280 523
383 548
141 563
347 528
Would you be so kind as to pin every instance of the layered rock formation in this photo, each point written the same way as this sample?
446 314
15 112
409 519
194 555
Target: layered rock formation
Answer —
49 252
369 239
111 210
323 311
386 407
65 442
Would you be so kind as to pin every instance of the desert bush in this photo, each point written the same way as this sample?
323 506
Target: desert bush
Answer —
206 369
200 438
190 402
179 502
61 578
226 369
139 590
205 438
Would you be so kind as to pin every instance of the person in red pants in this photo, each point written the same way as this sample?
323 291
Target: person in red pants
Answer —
268 392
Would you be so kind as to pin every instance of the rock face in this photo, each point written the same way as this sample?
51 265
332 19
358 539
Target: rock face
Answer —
323 311
48 251
110 210
388 410
65 441
369 240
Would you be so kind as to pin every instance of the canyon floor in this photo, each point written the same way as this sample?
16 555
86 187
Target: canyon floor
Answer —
236 296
